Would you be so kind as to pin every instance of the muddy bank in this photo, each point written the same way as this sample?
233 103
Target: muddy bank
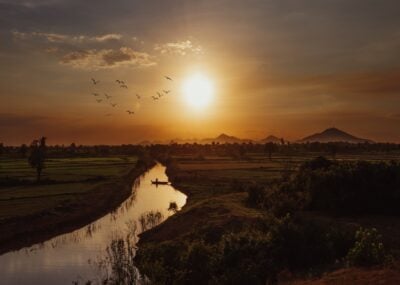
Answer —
20 232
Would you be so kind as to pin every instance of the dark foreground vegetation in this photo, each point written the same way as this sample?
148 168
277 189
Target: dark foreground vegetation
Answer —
243 224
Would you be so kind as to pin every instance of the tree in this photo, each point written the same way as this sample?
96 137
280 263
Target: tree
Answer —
37 156
269 148
23 150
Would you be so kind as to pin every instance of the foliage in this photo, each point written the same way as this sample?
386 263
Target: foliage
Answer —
173 207
38 155
256 195
250 256
368 249
349 187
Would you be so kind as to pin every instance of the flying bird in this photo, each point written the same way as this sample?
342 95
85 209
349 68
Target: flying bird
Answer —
123 86
95 94
159 94
168 78
154 97
130 112
113 105
107 96
95 81
138 96
166 91
99 100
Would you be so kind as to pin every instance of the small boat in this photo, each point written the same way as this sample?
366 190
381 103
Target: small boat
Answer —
157 182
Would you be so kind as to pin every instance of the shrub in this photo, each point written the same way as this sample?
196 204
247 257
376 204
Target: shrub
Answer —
368 249
349 187
256 195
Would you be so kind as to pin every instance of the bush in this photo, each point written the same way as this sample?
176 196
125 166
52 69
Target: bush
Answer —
349 187
256 195
368 249
250 256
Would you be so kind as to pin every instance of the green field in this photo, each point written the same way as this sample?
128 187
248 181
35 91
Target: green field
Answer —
65 180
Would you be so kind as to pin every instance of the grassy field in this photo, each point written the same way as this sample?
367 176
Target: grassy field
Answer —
65 179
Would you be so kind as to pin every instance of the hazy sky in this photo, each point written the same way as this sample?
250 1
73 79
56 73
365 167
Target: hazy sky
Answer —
283 67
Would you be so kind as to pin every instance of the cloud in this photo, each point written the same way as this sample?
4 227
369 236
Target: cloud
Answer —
107 58
64 38
180 48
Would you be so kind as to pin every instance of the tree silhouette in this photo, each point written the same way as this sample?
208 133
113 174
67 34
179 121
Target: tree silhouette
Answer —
37 156
269 148
23 149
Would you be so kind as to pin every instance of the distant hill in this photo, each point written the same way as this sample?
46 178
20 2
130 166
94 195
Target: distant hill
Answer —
270 139
224 138
333 135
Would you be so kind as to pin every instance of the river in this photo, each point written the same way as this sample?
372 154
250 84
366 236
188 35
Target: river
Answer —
71 257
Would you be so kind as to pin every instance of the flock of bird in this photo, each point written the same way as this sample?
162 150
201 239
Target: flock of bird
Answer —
108 98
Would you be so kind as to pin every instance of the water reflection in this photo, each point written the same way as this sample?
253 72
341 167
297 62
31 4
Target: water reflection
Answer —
65 258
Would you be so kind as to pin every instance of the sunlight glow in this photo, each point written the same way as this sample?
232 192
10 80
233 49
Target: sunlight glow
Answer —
198 91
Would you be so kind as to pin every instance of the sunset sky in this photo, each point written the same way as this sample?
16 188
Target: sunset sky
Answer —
288 68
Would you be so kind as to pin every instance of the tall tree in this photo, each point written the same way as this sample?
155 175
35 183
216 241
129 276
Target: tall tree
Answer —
37 156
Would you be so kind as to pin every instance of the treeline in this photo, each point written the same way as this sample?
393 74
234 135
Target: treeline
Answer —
73 150
236 150
339 187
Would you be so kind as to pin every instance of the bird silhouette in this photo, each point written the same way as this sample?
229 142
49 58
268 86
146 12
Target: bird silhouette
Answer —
113 104
159 94
154 97
123 86
168 78
138 96
95 81
107 96
95 94
130 112
99 100
166 91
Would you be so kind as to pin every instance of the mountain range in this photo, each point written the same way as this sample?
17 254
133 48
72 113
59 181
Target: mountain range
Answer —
328 135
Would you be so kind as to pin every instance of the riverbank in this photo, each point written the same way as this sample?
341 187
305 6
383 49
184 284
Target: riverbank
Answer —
70 214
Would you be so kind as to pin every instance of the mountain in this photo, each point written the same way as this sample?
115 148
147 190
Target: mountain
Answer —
272 139
224 138
333 135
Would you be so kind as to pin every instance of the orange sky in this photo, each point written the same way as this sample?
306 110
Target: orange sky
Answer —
288 68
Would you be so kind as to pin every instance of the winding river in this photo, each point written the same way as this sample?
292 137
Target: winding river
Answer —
69 257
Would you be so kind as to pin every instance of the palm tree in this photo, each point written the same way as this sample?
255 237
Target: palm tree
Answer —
37 156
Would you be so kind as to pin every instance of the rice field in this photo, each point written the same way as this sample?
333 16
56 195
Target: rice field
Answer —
70 179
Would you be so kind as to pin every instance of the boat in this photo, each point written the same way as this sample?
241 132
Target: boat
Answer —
157 182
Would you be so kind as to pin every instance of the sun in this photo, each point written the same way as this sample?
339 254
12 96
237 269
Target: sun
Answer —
198 91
